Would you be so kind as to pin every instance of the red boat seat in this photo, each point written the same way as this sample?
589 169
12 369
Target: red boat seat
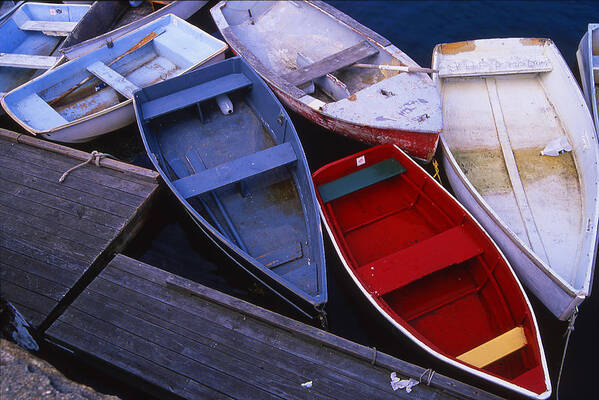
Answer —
419 260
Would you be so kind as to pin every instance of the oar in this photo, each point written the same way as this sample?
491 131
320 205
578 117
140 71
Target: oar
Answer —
139 44
400 68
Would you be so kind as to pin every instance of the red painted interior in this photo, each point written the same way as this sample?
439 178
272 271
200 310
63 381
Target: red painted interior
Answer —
427 263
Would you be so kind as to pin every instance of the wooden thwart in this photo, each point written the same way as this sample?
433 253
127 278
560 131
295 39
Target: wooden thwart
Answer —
27 61
193 95
360 179
332 63
235 170
399 269
495 349
60 28
113 79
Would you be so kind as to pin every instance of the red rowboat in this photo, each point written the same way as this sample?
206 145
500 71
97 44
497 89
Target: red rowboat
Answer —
312 56
429 268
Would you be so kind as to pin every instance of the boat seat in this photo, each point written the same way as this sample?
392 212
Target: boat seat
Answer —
58 28
332 63
495 349
113 79
405 266
360 179
27 61
46 116
193 95
281 255
235 170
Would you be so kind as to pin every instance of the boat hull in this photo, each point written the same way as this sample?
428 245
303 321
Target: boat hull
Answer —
589 45
420 145
557 298
498 168
416 315
376 108
259 207
96 108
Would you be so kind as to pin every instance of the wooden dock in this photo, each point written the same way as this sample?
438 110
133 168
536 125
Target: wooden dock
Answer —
55 237
195 342
172 337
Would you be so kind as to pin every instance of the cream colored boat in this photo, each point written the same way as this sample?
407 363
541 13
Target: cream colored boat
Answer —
505 101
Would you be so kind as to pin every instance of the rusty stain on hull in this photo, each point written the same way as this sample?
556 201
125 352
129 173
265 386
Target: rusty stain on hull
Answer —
457 47
533 41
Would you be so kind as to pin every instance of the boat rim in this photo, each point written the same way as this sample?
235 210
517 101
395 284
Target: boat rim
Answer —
451 361
578 294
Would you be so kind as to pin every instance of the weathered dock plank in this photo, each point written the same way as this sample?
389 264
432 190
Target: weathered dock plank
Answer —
197 342
55 237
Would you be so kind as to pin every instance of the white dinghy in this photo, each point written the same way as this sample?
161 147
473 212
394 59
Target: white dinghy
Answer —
92 95
505 102
588 65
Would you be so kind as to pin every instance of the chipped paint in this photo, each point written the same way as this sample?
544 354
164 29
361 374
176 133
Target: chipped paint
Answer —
353 97
457 47
534 41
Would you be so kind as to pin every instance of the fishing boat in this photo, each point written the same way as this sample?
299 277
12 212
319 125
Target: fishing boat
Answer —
588 65
520 152
335 72
31 34
228 150
109 20
430 269
92 95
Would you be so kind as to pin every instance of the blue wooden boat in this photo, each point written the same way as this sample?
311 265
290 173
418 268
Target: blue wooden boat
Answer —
229 152
30 37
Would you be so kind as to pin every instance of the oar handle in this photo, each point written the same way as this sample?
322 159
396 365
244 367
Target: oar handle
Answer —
400 68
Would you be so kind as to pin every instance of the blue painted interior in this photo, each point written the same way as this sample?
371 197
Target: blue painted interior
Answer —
244 175
360 179
16 41
180 47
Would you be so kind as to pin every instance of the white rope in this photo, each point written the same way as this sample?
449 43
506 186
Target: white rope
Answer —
429 378
94 156
569 331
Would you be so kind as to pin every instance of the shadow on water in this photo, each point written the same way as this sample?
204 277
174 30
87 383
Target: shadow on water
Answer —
171 240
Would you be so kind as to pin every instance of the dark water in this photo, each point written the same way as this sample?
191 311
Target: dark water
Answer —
171 241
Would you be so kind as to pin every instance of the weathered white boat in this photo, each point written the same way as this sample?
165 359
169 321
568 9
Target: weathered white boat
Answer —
588 65
98 26
308 52
48 106
505 101
30 36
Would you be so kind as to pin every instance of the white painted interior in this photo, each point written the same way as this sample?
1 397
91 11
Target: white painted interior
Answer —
495 126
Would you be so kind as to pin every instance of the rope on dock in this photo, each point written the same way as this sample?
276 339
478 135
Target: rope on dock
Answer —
429 377
373 362
94 156
567 334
